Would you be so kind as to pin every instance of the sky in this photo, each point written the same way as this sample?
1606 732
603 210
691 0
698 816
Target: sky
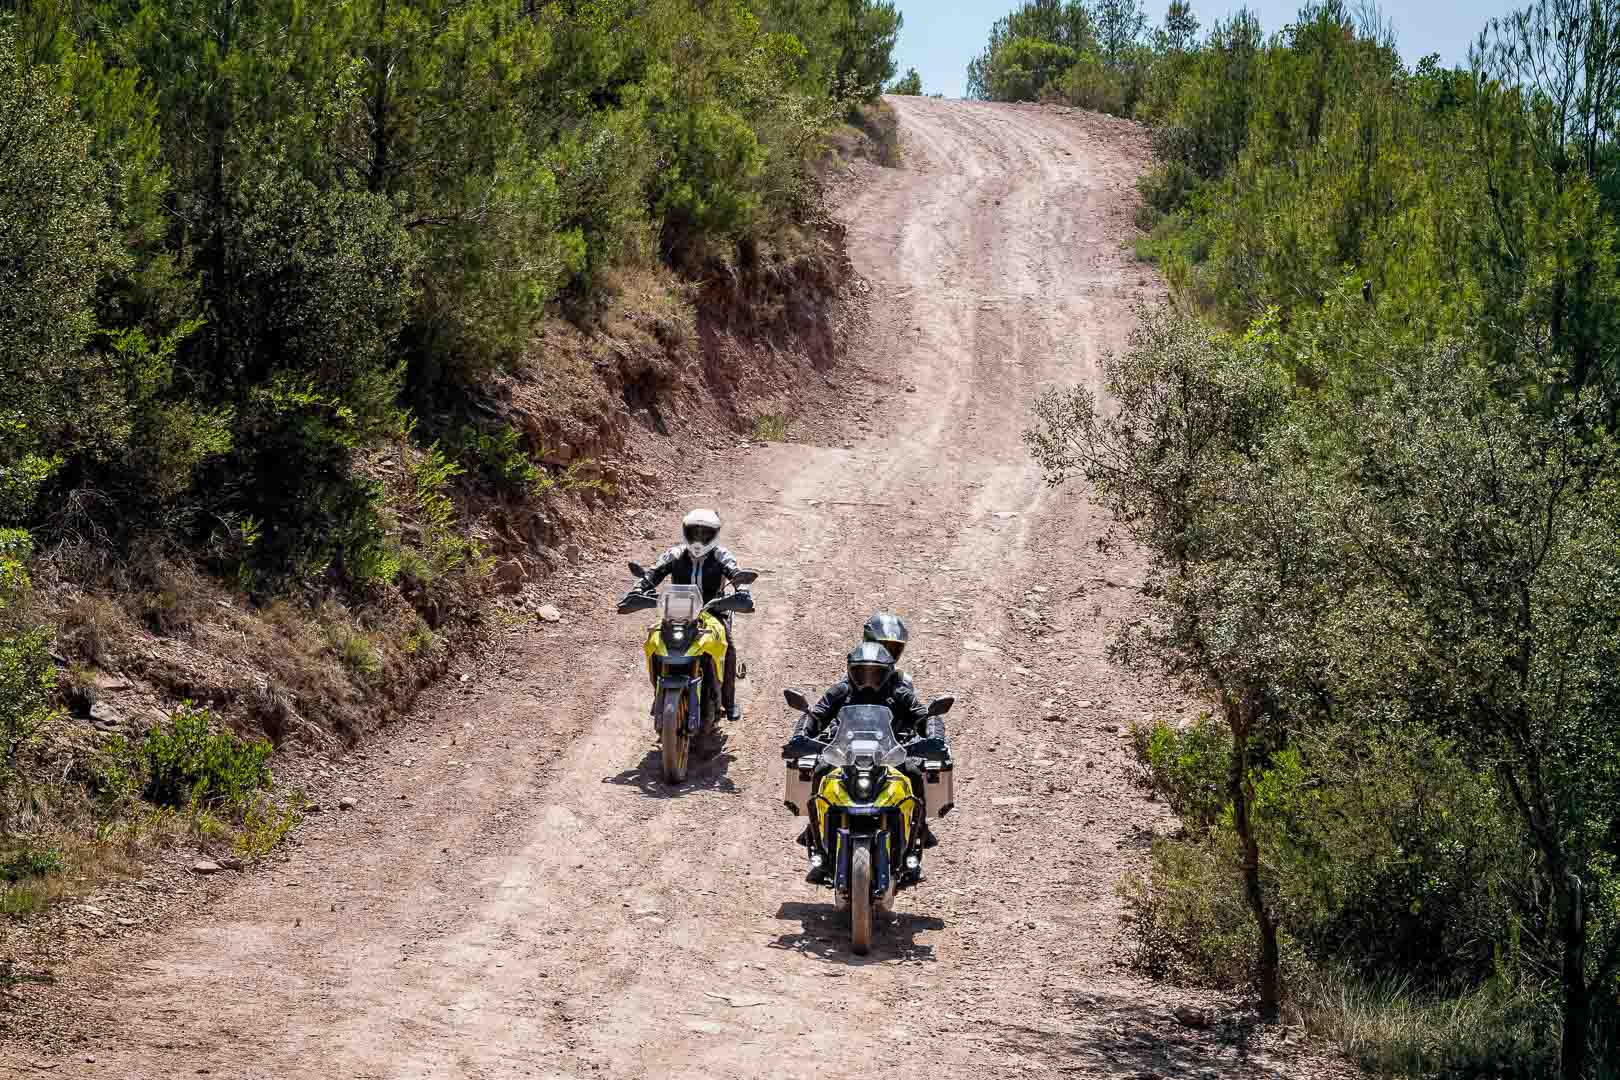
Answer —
940 38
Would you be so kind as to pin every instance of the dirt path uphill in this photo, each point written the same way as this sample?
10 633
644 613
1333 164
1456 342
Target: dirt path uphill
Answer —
516 894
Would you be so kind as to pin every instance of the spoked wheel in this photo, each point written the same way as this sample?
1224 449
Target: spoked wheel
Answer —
676 746
860 900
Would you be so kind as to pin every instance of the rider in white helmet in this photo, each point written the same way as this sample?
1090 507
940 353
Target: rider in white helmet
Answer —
701 561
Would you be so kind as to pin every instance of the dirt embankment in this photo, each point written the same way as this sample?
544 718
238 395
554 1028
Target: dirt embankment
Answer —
666 370
516 894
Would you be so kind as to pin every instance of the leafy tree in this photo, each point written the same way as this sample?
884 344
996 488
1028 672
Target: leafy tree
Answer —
1494 526
1179 34
866 45
1121 25
909 85
61 242
1180 451
1024 67
1066 24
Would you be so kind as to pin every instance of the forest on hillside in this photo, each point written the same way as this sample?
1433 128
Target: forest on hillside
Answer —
261 262
1370 446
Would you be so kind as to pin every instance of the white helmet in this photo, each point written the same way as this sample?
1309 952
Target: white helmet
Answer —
700 528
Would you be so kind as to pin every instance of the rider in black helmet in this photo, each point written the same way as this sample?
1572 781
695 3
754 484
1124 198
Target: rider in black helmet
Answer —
871 679
887 630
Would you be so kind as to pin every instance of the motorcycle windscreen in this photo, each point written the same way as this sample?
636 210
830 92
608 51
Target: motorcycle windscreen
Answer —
865 738
680 603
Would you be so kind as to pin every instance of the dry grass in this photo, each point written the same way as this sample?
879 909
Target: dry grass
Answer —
881 127
647 300
93 629
1391 1030
771 427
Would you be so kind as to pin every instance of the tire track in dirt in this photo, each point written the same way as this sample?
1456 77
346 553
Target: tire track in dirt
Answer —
525 899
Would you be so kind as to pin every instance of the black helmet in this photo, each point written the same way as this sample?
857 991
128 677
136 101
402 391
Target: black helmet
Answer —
887 630
870 666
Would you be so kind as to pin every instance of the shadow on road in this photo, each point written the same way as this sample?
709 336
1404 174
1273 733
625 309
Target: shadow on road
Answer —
707 770
824 933
1112 1036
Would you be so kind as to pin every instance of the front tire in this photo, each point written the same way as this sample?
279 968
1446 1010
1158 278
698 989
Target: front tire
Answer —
676 746
860 900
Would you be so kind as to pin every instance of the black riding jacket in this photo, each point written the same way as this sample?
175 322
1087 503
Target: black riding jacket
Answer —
896 694
717 568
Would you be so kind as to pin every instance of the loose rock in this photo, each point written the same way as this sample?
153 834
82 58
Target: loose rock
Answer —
549 613
509 576
1190 1017
204 866
348 802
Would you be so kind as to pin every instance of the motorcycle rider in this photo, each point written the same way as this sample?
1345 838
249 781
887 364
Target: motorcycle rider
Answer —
872 680
887 630
701 561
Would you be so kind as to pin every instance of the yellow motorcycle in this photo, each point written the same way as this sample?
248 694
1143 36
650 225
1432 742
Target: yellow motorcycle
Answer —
686 659
862 808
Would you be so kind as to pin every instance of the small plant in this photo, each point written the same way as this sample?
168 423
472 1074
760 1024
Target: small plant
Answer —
264 826
579 476
421 639
771 427
443 550
30 862
1189 768
499 458
21 900
183 763
359 655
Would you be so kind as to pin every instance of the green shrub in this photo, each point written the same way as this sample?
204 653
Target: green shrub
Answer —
499 457
30 862
443 549
183 763
908 85
27 672
1165 190
1189 768
1186 916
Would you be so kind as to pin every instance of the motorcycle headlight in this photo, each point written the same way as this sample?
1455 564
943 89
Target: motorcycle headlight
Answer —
863 784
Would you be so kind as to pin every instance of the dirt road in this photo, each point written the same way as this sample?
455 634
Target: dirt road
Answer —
516 894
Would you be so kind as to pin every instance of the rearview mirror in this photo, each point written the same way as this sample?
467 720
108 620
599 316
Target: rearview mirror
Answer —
796 700
745 577
635 568
941 705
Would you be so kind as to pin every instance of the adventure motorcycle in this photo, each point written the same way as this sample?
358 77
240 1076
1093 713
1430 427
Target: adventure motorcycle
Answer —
686 657
862 808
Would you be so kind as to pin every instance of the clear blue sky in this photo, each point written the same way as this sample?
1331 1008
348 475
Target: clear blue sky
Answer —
940 38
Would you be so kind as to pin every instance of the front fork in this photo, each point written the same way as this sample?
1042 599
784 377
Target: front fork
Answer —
846 853
694 700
